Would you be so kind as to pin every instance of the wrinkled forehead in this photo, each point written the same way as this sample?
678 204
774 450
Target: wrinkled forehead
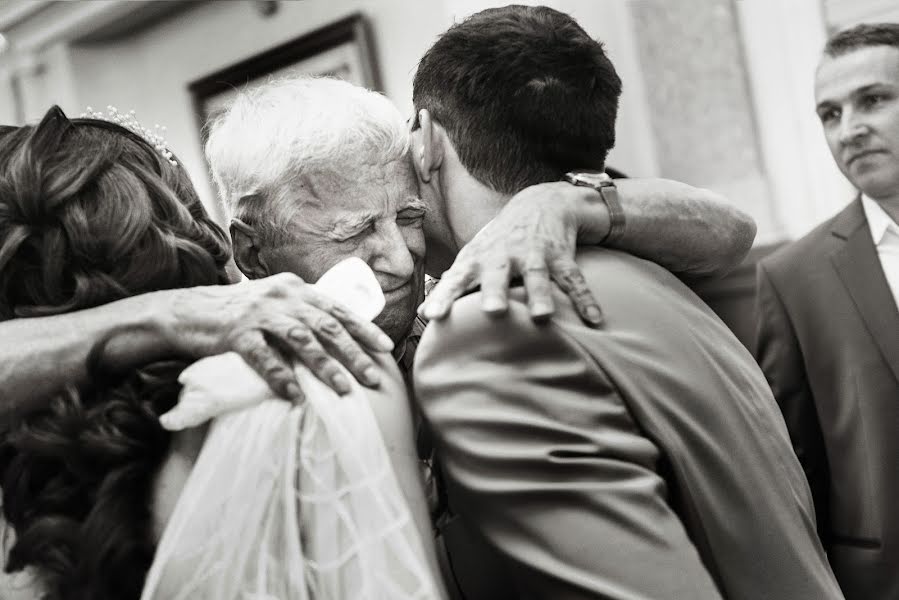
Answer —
390 178
838 77
371 187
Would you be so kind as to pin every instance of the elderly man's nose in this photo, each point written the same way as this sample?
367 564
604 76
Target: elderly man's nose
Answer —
392 255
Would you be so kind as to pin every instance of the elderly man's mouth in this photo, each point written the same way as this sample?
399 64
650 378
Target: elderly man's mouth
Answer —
398 292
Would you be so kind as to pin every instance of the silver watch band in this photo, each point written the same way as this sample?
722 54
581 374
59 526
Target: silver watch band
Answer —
607 190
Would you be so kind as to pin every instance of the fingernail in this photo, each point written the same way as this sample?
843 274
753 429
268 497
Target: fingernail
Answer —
341 384
385 342
294 392
594 315
370 377
541 309
493 304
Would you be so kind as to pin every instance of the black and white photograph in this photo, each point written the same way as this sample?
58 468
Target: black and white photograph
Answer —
449 300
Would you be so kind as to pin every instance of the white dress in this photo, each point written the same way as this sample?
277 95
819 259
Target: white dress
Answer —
289 502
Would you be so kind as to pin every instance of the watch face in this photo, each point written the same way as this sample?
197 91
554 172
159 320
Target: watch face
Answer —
591 178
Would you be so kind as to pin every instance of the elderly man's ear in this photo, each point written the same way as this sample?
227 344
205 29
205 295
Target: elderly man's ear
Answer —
427 145
247 255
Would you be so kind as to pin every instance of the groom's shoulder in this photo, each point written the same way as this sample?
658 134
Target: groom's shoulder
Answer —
621 272
632 293
620 282
624 281
468 336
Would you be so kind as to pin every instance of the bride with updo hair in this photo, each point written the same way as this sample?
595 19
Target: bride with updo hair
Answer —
269 500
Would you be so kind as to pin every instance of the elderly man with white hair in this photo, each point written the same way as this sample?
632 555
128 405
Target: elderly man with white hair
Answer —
316 170
312 170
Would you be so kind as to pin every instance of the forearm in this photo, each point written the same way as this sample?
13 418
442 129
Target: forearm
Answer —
687 230
39 356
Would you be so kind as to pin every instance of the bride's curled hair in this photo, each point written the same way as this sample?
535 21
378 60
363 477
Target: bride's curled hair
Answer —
91 213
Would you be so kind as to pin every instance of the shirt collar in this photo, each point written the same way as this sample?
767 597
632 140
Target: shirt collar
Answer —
404 351
878 220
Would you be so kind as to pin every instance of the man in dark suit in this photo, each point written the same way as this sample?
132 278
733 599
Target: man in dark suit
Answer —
643 459
828 336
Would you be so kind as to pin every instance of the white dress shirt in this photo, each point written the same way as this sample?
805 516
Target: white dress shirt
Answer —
885 233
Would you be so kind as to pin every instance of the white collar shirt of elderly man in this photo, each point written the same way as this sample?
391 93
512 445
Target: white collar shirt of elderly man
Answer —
370 210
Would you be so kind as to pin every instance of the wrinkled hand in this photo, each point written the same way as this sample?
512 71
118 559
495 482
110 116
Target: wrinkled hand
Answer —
270 322
534 236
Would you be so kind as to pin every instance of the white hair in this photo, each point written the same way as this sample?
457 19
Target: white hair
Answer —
274 136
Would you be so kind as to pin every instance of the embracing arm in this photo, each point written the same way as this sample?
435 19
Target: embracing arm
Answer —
689 231
40 356
260 320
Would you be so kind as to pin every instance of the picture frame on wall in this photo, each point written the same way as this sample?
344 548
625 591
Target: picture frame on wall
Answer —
342 49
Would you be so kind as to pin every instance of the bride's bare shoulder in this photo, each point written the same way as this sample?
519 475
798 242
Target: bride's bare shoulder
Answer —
392 406
173 474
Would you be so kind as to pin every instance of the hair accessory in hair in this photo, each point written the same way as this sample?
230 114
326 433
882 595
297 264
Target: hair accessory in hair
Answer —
129 121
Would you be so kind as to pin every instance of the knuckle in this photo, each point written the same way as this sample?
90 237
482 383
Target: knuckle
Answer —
244 342
259 305
339 311
518 234
500 266
321 362
300 336
274 369
259 355
328 326
360 361
281 285
277 291
566 271
346 345
584 294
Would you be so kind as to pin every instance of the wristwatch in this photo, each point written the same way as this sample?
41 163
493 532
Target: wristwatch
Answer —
605 185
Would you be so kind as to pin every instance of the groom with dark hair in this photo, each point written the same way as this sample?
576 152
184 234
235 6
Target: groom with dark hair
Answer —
552 126
645 459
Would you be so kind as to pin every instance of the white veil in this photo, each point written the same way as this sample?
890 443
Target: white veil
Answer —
288 502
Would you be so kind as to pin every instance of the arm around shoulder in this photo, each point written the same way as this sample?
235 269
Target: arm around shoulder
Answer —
688 230
40 356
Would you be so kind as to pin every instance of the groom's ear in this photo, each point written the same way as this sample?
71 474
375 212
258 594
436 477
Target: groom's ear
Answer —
247 255
427 145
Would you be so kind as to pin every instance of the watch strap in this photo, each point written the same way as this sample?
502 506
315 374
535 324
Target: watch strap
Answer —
605 187
617 222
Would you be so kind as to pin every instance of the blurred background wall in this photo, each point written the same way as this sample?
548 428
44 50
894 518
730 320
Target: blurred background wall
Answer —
718 93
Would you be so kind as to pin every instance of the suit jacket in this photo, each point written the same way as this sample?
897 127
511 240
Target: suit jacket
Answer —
643 459
828 342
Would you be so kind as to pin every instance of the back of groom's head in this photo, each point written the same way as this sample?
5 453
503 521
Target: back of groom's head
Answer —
523 93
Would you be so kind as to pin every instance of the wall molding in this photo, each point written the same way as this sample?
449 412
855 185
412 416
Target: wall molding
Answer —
845 13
